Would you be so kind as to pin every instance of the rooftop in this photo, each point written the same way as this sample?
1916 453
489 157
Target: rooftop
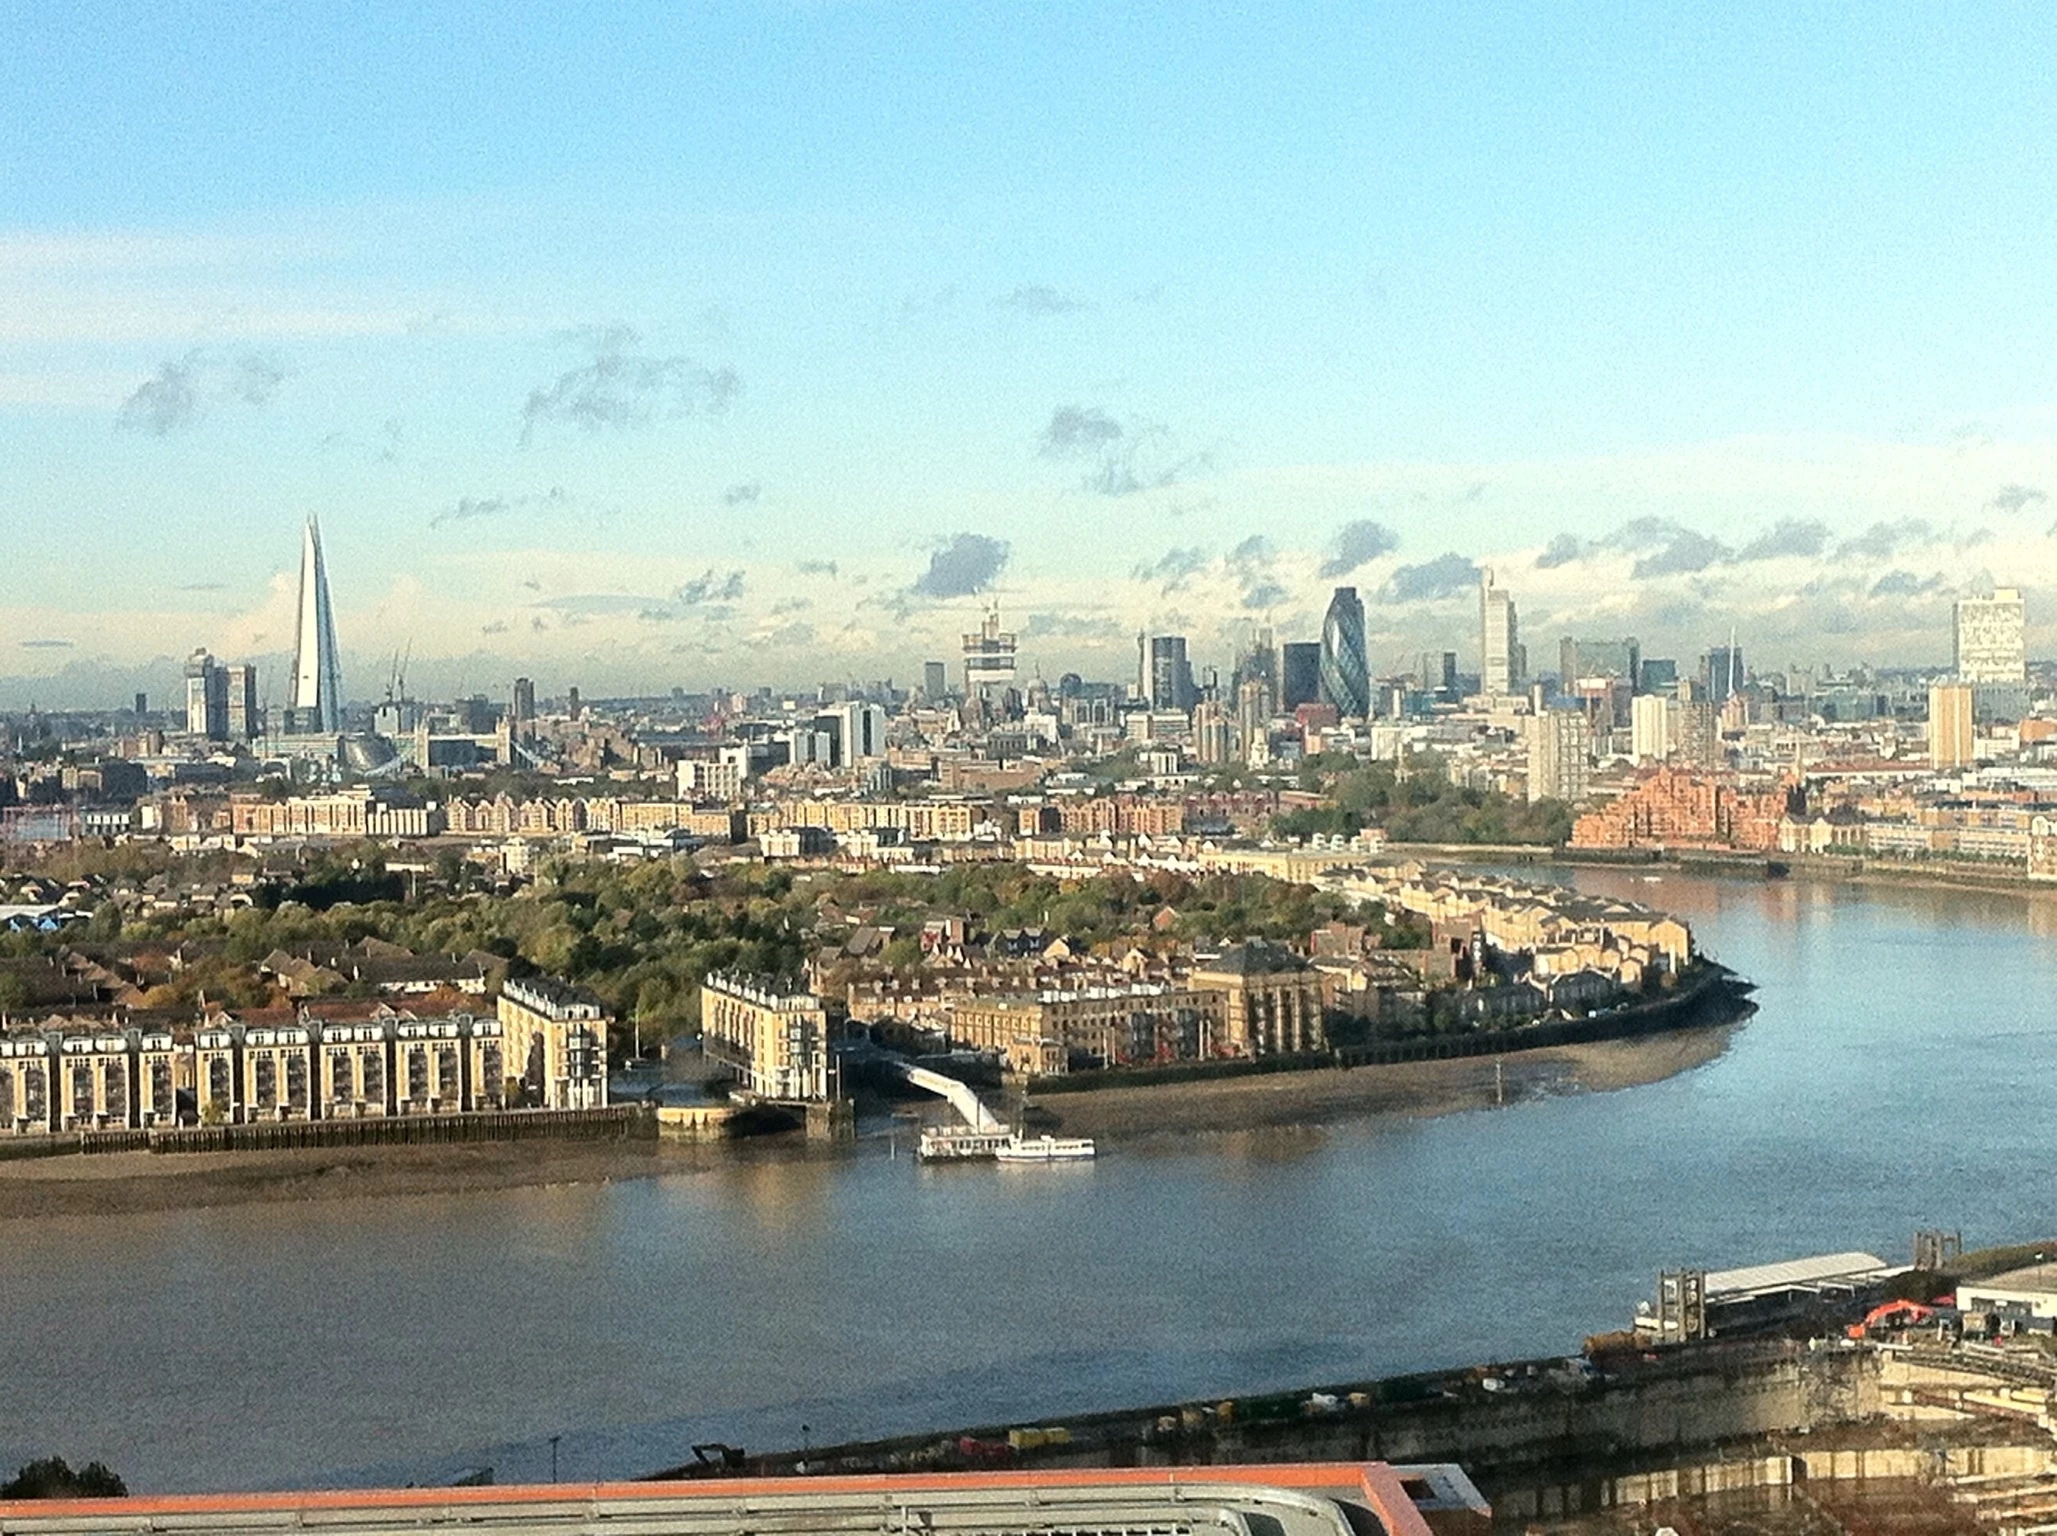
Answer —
1316 1499
2032 1277
1796 1274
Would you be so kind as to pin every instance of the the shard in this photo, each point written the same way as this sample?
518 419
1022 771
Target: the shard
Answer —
317 669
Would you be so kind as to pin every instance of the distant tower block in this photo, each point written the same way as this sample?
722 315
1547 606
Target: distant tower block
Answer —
1935 1250
317 668
988 659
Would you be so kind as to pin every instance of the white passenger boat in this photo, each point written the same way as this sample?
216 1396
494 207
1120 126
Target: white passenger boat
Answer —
956 1146
1045 1149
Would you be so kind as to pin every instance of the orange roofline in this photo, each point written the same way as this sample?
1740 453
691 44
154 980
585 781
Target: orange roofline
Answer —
1375 1482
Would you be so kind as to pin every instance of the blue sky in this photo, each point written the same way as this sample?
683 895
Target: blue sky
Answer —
597 335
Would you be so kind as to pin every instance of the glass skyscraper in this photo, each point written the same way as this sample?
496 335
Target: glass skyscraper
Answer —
1345 674
317 668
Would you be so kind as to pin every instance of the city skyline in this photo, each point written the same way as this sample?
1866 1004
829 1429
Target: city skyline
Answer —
1728 321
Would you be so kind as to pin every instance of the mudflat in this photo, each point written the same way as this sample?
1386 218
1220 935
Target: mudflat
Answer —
1414 1089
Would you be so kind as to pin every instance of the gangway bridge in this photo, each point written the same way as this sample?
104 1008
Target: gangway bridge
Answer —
959 1095
969 1106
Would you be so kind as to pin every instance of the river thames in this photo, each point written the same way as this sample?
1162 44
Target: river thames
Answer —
1899 1074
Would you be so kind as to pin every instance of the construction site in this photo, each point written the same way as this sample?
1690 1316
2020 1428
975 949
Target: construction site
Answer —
1834 1394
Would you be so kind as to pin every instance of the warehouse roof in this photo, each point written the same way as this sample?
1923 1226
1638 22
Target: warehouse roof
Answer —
1829 1269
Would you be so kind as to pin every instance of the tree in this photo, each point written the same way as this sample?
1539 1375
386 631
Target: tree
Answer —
51 1478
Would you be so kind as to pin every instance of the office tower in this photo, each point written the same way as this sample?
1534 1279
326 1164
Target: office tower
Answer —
207 697
1558 756
524 702
1345 675
1651 718
988 659
572 706
244 721
1989 642
1258 662
1171 674
1299 673
1503 665
1253 713
1447 685
1619 660
1213 733
935 681
1951 740
1696 729
1657 675
142 704
1723 672
858 731
317 668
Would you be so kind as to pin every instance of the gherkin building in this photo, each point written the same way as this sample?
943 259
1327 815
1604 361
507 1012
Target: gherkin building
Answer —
1345 675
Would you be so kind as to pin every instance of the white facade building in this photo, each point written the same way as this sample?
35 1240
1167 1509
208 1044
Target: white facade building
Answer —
1651 718
1559 756
1990 632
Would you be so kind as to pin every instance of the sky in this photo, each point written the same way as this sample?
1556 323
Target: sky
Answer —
641 346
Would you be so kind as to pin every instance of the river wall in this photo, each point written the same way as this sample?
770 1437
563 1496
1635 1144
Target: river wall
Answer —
616 1122
1505 1424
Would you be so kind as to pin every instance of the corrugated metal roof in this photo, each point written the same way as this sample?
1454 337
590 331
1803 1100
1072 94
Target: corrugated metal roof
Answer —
1726 1283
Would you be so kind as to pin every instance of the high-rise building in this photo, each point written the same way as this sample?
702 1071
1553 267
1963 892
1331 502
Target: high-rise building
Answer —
244 722
1299 673
1502 665
1213 733
1658 675
856 732
1990 641
1651 718
988 659
207 697
1345 674
1952 741
935 681
1615 660
1258 661
142 704
1253 719
524 702
317 667
1721 670
1559 756
1171 674
1696 728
